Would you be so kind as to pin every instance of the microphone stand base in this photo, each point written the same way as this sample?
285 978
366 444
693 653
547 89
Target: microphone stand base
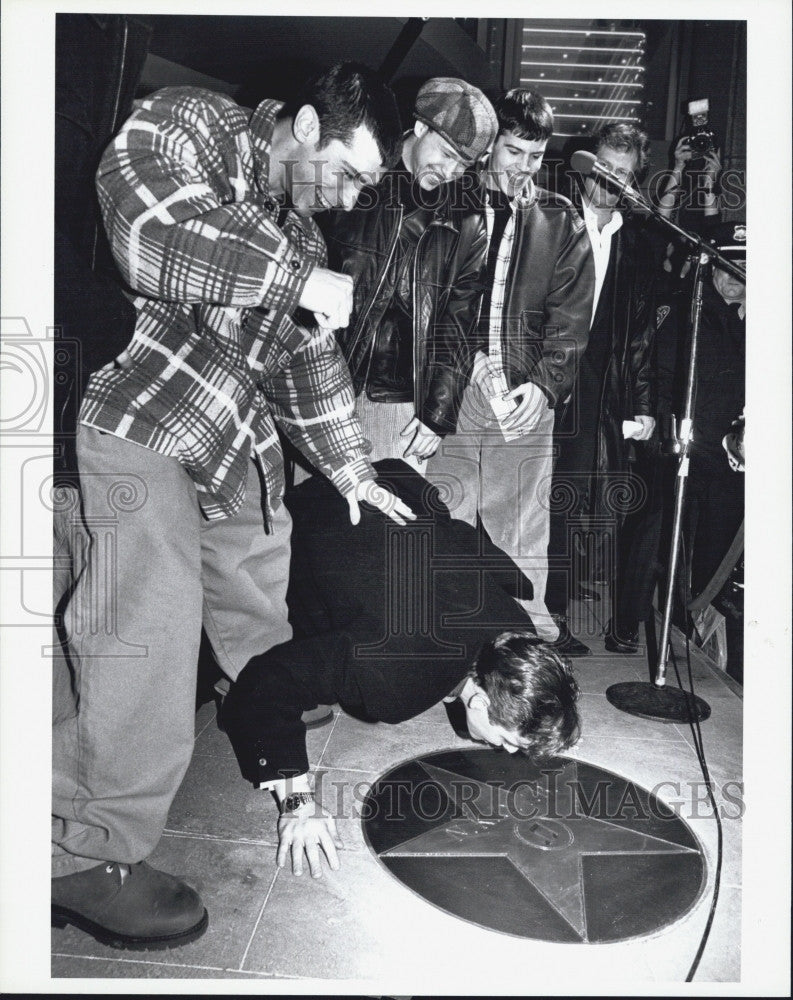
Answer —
660 704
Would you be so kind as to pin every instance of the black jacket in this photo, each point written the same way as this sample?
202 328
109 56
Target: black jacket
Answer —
626 317
629 387
720 387
387 619
432 368
548 296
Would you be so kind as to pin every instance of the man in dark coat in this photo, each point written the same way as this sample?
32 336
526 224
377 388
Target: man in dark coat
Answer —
416 253
389 623
612 403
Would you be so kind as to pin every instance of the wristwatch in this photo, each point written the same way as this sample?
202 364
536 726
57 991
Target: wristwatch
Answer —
295 800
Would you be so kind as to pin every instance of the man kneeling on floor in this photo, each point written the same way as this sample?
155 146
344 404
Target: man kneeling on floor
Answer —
388 623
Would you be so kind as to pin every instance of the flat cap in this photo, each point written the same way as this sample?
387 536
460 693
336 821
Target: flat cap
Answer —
460 112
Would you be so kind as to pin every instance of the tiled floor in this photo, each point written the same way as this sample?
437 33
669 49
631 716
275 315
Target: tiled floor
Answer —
359 930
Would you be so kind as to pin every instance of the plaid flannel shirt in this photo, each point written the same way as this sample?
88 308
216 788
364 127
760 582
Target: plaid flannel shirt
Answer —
218 355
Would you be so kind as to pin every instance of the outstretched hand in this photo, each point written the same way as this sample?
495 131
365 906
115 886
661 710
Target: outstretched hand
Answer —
382 499
304 831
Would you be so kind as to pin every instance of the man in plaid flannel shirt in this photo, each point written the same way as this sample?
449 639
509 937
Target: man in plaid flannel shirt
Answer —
208 209
533 328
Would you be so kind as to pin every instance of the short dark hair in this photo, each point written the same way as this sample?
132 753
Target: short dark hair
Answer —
347 95
531 689
526 113
624 137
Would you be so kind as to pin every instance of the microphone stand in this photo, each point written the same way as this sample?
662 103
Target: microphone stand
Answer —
655 700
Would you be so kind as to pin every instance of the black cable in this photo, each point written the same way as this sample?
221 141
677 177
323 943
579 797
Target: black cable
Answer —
696 733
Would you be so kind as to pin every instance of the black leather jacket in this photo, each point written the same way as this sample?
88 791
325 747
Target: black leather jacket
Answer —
630 381
548 296
625 324
446 283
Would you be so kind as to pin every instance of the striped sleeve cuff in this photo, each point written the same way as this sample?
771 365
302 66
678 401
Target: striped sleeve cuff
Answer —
285 280
348 476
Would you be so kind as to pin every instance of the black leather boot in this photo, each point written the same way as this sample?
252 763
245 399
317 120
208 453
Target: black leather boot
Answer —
129 906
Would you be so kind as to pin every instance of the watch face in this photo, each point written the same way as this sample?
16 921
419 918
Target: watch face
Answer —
295 800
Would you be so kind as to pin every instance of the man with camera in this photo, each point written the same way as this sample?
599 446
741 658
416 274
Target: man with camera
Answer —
692 184
691 192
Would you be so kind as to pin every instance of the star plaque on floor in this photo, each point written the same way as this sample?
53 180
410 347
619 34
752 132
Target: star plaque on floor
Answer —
563 851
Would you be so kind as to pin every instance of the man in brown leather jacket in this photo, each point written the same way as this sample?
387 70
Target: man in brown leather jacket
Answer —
416 253
533 329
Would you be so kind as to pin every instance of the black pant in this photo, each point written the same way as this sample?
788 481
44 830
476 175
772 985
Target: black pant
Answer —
625 552
641 560
714 512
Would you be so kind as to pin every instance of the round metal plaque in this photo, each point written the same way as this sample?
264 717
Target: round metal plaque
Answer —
564 851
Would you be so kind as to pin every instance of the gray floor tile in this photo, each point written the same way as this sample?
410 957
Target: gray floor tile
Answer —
212 741
204 718
602 719
648 762
68 967
215 800
317 739
364 746
362 925
595 673
721 960
671 956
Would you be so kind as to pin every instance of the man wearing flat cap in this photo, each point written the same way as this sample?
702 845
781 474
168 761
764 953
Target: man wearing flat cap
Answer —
417 259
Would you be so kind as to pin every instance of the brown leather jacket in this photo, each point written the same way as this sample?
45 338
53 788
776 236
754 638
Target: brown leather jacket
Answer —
548 296
446 283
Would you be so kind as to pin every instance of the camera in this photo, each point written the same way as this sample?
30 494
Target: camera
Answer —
701 138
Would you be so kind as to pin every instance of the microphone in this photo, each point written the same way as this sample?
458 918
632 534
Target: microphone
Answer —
590 166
